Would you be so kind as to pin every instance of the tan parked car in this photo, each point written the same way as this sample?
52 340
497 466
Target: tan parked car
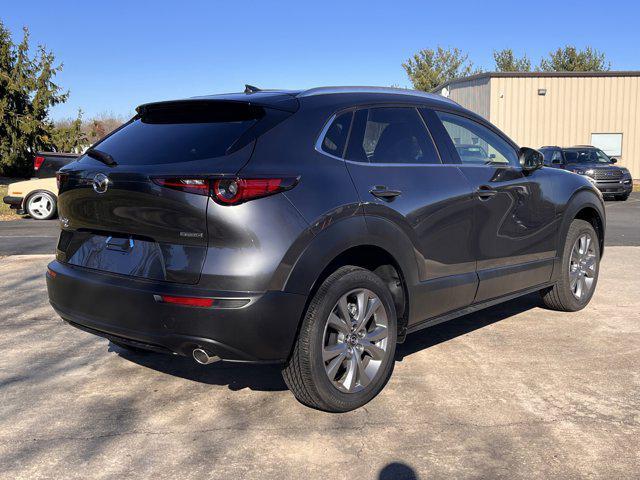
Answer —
38 197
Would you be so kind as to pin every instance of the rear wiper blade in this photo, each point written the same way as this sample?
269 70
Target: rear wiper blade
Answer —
101 156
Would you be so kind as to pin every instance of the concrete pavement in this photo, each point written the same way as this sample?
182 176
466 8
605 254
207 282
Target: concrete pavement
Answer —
515 391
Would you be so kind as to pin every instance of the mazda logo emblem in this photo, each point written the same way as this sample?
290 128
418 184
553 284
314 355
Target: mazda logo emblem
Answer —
100 183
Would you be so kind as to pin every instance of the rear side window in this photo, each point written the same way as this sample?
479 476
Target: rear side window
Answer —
180 133
336 137
390 135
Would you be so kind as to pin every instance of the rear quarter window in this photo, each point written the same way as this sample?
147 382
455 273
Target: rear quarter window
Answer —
335 138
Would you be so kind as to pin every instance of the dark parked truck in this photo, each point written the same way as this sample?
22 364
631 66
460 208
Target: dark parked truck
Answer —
314 229
46 164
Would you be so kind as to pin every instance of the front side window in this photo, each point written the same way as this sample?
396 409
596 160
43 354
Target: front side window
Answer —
551 157
336 137
475 143
390 135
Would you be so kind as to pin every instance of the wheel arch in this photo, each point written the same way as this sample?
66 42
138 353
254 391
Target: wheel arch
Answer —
586 205
388 253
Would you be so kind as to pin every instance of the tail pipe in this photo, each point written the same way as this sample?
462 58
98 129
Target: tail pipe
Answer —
203 357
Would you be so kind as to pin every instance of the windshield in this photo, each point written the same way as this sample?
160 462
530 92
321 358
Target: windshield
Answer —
586 155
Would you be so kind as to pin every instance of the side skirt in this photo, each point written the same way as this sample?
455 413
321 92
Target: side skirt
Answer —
474 308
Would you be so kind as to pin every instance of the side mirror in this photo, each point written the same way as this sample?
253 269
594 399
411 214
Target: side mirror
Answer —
613 159
530 159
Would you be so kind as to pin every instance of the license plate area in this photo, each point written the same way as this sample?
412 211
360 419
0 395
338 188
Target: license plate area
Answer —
136 257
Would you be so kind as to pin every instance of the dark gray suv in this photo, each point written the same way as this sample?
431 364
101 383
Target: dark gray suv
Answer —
593 164
313 229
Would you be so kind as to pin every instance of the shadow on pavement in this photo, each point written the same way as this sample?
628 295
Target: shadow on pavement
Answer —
397 471
454 328
234 375
268 378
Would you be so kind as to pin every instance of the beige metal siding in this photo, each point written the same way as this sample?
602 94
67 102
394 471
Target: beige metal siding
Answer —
572 109
474 95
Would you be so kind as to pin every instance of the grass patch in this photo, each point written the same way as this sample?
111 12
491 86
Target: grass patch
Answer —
5 212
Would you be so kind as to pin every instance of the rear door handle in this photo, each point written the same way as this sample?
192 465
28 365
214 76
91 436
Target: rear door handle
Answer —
383 192
484 192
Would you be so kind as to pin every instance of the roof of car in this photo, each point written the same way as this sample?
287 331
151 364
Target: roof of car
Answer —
288 99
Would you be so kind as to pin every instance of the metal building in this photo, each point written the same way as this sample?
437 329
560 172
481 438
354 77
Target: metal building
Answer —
559 108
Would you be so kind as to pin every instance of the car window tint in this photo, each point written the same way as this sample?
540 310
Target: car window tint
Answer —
180 133
551 156
390 135
336 136
475 143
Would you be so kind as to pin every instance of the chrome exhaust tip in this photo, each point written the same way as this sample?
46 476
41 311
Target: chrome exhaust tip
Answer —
203 358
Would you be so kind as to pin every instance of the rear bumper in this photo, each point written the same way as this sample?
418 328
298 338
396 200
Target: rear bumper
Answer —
125 309
15 203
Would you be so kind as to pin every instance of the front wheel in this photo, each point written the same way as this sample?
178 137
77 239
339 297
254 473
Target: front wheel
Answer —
41 206
344 353
579 271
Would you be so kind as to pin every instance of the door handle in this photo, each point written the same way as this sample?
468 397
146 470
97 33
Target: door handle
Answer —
485 192
384 193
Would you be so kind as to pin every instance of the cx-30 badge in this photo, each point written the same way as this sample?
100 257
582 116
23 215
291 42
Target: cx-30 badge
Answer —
100 183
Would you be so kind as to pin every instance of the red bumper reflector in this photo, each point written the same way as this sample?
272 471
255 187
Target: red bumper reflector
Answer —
187 301
51 273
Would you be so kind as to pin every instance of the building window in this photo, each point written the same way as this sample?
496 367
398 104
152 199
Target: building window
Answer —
609 143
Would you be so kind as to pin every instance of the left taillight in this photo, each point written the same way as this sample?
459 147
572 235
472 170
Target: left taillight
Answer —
60 179
230 191
199 186
37 162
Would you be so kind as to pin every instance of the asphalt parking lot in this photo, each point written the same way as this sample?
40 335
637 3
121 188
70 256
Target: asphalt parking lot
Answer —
515 391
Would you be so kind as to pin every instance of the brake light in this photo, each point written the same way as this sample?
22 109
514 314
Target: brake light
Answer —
234 191
37 162
60 179
187 301
230 191
199 186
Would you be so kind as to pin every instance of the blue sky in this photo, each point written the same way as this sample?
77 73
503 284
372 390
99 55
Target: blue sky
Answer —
117 55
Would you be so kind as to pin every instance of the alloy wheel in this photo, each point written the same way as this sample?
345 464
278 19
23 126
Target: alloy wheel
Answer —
355 340
582 266
40 206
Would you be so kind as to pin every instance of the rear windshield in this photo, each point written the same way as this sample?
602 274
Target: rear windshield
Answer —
170 133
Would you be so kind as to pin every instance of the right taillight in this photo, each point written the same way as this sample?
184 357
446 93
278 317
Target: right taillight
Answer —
37 162
230 191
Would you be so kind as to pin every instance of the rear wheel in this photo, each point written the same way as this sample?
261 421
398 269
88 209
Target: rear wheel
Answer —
41 206
344 353
580 268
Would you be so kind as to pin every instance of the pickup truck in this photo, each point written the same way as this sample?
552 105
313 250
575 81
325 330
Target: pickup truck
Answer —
46 164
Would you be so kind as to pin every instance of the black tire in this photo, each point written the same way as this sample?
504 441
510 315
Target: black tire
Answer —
622 198
305 373
560 296
35 199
